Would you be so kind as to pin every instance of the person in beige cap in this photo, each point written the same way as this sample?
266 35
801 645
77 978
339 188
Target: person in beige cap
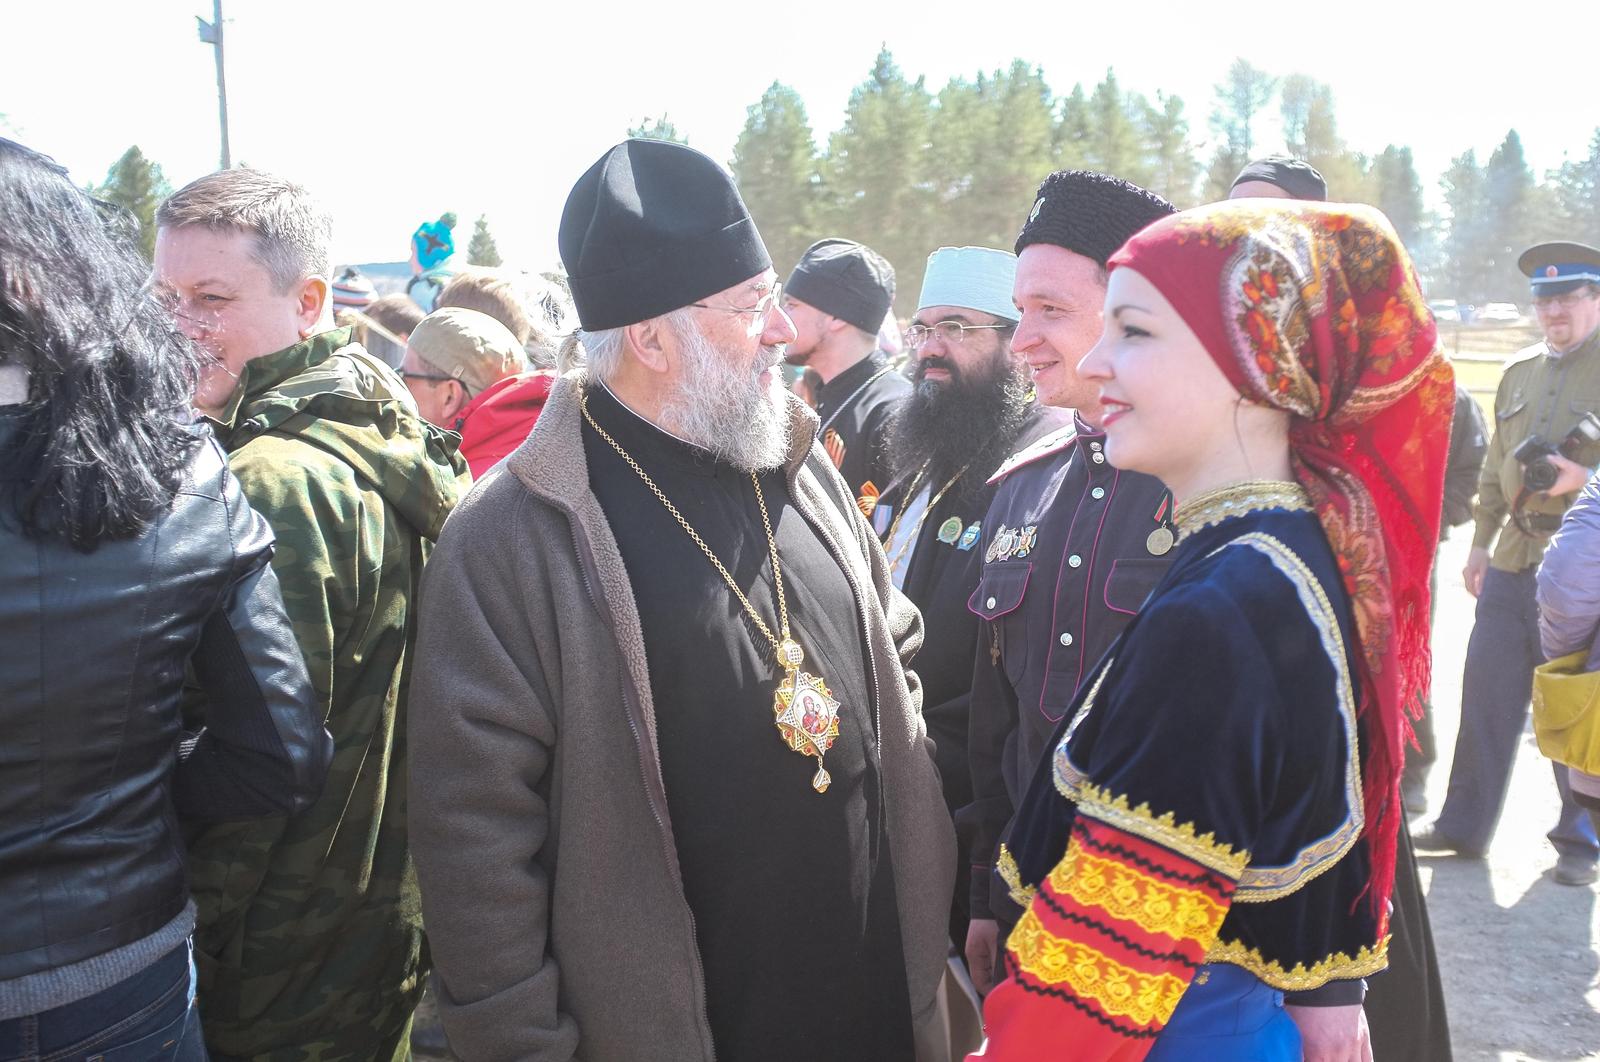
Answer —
467 373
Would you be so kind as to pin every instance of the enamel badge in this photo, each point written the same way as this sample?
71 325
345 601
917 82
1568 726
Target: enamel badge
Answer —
1012 542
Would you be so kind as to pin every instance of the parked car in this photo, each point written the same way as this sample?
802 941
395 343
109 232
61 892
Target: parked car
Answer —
1445 309
1500 313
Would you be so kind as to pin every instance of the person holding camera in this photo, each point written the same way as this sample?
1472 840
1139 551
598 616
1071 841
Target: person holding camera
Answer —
1545 445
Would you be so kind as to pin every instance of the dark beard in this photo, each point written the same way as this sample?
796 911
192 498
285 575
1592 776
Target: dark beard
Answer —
970 421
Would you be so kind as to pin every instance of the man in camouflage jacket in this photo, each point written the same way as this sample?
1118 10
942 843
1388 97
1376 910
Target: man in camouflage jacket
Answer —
309 942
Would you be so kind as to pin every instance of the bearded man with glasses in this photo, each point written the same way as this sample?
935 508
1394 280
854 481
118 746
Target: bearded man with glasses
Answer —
682 804
1544 397
973 405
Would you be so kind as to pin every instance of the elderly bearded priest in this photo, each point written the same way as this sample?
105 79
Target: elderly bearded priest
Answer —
682 802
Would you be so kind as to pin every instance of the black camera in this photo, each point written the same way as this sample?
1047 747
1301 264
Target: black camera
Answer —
1534 453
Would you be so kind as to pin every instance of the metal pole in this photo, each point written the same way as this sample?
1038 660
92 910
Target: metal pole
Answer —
222 84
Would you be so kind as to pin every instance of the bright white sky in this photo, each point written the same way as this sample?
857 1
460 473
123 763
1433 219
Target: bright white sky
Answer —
397 111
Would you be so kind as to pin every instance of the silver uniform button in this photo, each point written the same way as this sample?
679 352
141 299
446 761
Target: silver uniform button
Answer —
1074 561
1066 637
1099 458
989 603
1094 446
1097 493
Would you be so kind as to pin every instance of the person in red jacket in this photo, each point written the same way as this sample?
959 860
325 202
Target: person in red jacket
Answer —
467 373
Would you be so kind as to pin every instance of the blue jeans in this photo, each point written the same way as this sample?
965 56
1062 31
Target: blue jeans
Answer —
149 1017
1228 1015
1495 691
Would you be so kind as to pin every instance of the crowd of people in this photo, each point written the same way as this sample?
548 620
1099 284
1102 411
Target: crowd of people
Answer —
739 674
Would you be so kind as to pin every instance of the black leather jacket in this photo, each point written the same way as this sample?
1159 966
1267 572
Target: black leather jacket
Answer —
95 771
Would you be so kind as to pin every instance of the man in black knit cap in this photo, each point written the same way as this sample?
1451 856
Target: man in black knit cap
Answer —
680 798
1279 177
1071 546
837 297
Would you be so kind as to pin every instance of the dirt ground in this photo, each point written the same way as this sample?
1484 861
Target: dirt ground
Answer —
1517 950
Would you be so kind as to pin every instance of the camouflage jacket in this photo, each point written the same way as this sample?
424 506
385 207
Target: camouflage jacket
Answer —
309 939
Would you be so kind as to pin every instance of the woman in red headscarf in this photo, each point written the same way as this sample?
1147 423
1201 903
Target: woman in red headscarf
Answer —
1217 823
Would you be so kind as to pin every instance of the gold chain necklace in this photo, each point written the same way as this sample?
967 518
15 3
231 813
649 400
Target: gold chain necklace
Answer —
911 494
804 710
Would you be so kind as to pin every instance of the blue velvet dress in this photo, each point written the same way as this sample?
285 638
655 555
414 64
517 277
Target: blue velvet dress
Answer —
1191 849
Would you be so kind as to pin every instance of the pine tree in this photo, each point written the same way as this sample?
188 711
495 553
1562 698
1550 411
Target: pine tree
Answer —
1174 167
1323 147
775 165
1240 98
137 185
1466 238
658 129
1238 101
1509 201
990 146
1069 144
1576 190
1397 191
481 250
1295 95
1115 145
878 190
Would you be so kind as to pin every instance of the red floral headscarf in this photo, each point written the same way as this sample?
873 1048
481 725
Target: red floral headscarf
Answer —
1314 308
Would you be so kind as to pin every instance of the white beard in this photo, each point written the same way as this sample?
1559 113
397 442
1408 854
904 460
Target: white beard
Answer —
728 413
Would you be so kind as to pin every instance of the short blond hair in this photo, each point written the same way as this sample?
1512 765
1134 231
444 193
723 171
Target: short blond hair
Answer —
491 293
291 234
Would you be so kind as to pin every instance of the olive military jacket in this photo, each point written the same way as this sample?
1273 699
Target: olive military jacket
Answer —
1540 394
309 939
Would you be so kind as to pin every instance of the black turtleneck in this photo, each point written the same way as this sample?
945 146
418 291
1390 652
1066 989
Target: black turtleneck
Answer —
792 890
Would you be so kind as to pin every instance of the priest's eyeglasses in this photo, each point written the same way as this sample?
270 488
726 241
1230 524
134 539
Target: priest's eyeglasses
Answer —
763 306
948 331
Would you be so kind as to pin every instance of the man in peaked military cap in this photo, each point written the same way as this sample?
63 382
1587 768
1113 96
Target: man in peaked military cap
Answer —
1547 391
681 798
838 297
972 405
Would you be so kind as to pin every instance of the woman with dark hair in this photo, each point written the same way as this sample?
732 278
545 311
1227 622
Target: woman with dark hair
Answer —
1216 826
128 557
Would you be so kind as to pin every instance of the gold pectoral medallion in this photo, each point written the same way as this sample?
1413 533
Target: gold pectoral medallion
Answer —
806 713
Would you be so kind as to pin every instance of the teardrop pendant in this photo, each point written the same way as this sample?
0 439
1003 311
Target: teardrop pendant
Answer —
822 779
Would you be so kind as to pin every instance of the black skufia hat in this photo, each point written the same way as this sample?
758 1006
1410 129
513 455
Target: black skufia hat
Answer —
844 279
652 227
1296 176
1089 213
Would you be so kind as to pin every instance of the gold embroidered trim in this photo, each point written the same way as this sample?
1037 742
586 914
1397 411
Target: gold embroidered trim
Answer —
1164 830
1336 967
1021 895
1260 884
1119 990
1063 772
1237 499
1130 895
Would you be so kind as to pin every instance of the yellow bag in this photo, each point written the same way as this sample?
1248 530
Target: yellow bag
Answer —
1566 719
